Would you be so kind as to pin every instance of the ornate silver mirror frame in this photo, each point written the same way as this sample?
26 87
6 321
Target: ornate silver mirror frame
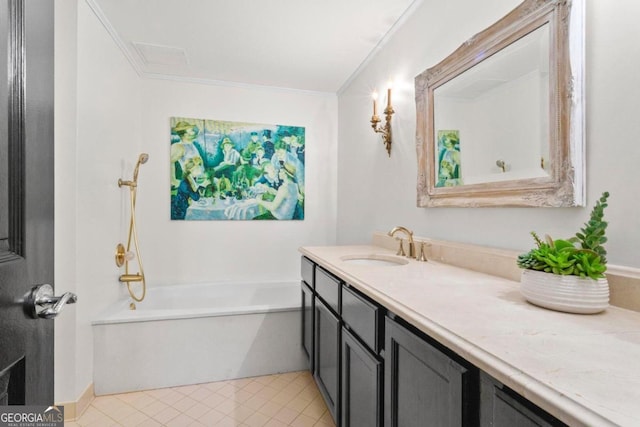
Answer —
563 182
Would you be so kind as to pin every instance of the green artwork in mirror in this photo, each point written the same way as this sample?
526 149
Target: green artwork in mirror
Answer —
449 174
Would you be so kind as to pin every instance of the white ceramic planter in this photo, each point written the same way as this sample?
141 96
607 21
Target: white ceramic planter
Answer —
571 294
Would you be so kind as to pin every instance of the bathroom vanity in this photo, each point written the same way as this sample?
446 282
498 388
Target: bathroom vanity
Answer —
398 342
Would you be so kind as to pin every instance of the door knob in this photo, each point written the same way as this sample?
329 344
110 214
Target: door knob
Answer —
40 303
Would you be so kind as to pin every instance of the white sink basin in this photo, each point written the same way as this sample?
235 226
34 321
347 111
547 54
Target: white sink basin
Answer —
374 260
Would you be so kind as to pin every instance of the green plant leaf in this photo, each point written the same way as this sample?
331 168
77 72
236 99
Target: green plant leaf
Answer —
582 255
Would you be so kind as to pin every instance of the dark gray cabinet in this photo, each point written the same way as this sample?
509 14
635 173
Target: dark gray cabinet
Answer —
362 367
423 385
502 407
308 271
327 356
363 317
328 287
361 384
307 323
374 369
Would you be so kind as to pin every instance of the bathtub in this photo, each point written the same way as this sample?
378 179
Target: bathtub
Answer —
192 334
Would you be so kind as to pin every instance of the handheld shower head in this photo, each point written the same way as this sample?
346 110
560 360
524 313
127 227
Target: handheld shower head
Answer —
142 159
121 253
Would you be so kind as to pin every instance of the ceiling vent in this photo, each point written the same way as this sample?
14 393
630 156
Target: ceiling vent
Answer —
152 54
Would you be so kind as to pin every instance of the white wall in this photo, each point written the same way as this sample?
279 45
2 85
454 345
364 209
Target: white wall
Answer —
97 136
204 251
376 192
105 116
65 195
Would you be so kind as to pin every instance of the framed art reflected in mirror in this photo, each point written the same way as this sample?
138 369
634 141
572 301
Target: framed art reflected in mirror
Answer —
500 120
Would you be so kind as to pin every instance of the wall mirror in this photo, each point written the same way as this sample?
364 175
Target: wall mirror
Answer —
500 121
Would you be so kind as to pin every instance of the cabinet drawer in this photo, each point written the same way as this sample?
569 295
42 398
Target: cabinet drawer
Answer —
362 317
327 287
307 268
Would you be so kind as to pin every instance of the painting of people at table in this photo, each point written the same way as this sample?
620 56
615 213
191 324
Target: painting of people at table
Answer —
449 174
223 170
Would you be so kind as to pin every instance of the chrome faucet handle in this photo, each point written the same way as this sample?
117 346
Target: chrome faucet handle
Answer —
401 247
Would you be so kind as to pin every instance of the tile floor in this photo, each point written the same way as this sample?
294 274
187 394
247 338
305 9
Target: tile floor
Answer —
290 399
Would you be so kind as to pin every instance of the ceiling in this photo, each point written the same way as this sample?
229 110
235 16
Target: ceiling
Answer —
311 45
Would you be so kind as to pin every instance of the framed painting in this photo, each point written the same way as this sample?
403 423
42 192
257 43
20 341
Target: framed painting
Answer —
448 170
223 170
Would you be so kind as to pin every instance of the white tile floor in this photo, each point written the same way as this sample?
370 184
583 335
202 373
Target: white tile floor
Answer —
290 399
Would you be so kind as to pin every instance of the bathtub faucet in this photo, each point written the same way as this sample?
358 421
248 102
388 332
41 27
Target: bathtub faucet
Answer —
127 278
409 233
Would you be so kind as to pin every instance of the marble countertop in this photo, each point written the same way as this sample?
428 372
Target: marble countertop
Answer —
583 369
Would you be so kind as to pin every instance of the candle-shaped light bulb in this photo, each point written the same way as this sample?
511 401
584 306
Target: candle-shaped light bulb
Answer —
389 94
374 95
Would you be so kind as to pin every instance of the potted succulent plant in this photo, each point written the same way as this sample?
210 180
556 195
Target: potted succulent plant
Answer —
568 274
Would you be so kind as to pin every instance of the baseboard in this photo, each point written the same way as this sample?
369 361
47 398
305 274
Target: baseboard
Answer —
74 410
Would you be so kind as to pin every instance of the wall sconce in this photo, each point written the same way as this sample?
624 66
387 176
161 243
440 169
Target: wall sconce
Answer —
385 130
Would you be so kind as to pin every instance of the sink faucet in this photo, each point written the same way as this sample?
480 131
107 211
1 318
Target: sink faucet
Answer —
409 233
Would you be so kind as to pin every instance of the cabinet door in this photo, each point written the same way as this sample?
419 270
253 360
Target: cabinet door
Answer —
423 386
327 356
307 323
502 407
361 385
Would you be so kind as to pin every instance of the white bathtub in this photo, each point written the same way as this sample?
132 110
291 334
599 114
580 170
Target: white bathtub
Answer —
191 334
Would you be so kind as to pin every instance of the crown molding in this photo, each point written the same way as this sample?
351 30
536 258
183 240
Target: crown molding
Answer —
227 83
129 55
134 59
385 39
